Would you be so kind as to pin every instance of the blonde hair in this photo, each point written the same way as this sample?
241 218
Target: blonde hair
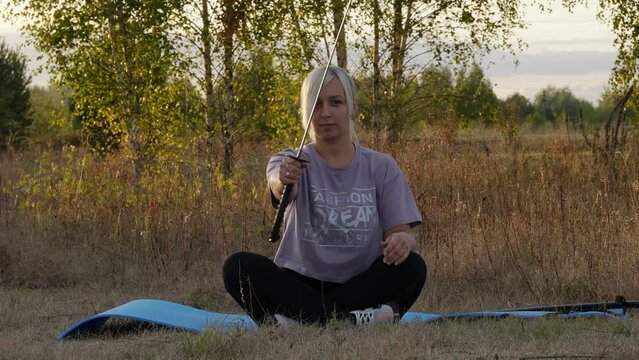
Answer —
311 87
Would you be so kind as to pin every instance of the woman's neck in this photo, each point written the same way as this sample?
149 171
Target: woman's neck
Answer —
336 154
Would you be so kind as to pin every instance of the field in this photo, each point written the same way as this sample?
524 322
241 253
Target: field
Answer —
506 226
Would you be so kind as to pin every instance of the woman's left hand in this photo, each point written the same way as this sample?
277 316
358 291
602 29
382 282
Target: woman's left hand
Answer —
397 247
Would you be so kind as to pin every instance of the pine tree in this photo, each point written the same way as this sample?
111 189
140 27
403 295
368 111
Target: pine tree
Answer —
14 97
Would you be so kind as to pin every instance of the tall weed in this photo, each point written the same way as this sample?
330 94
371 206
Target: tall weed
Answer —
541 224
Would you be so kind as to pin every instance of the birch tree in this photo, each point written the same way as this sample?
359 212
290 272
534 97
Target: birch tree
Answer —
408 36
119 62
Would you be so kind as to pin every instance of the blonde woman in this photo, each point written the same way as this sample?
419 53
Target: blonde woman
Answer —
347 249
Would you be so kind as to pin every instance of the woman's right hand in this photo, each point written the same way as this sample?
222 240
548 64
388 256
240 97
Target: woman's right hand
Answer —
290 170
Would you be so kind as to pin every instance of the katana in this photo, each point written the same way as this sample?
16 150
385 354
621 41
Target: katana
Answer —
288 189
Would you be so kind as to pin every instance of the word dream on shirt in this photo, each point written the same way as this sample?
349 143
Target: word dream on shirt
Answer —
342 219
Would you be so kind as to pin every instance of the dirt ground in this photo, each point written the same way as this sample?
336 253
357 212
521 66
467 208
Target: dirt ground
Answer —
30 321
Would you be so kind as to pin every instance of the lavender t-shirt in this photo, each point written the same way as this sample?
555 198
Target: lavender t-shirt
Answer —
334 228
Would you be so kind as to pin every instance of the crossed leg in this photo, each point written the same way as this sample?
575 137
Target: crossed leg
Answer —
264 289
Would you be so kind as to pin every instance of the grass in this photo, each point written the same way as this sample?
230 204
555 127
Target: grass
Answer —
34 317
505 226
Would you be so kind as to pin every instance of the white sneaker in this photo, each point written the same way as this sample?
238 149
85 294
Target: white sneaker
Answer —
382 314
285 322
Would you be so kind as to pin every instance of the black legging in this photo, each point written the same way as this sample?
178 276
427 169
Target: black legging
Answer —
264 289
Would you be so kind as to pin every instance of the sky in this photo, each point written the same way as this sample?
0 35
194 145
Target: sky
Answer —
565 49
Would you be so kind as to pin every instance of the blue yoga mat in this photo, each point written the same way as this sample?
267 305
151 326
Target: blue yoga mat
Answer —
188 318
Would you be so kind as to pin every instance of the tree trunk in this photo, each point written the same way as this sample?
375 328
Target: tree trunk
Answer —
376 72
227 116
340 44
405 35
306 49
131 108
396 45
230 21
401 27
208 82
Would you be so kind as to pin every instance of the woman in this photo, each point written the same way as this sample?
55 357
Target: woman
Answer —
346 250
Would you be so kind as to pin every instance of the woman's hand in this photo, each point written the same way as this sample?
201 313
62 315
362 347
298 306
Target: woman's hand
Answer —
398 244
291 170
289 174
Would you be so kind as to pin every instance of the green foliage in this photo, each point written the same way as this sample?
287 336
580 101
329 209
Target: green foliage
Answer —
621 16
423 101
553 103
466 98
535 121
413 36
436 85
401 113
102 129
165 121
605 107
510 116
270 101
476 102
14 97
559 107
249 53
125 64
520 104
51 113
117 59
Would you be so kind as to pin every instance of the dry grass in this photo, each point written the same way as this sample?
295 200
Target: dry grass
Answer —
539 224
33 318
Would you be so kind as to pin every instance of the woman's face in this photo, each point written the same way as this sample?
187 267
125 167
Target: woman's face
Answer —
330 116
